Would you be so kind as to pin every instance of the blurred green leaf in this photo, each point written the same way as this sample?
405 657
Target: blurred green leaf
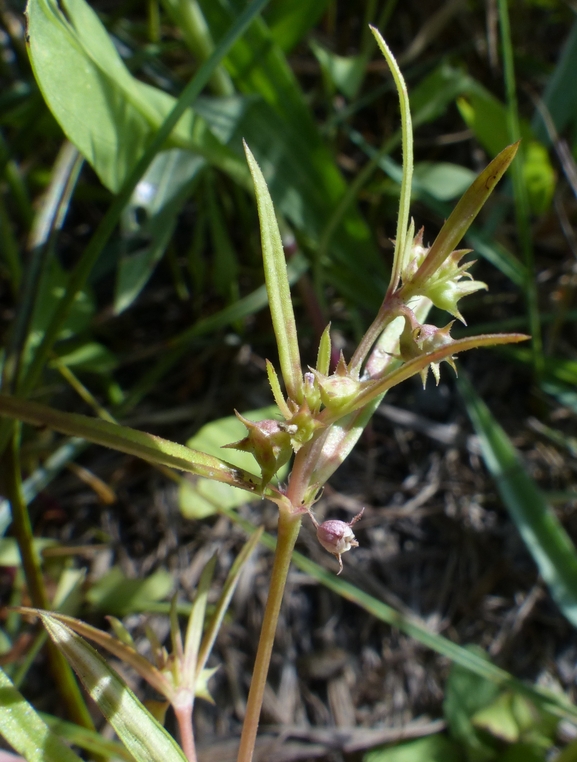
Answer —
200 498
142 735
465 695
116 594
85 739
158 197
51 288
539 176
26 732
486 116
545 538
10 555
560 96
90 356
436 748
524 752
443 180
302 175
343 73
290 20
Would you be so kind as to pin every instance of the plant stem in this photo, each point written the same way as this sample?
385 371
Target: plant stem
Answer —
61 670
288 529
183 716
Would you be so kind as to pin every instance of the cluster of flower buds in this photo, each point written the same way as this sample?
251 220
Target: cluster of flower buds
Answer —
419 339
449 282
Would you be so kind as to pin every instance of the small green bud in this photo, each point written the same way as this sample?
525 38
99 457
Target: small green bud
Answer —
338 389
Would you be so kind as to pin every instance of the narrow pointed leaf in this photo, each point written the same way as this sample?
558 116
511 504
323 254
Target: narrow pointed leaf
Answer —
224 600
324 353
375 388
464 213
142 735
25 730
545 538
276 390
277 284
114 646
195 625
147 446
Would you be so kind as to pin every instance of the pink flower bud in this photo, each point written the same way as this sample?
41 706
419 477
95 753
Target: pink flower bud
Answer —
337 536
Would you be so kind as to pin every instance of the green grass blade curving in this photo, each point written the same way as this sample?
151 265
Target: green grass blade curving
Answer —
545 538
277 285
25 730
408 162
147 446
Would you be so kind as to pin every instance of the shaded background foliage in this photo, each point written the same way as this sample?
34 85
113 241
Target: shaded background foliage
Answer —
159 338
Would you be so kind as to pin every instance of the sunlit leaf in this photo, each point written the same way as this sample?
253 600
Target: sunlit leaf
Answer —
25 731
142 735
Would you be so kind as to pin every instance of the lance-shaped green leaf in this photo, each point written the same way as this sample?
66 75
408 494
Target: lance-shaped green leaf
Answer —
116 647
545 538
25 730
142 735
277 285
373 389
224 600
195 626
461 218
147 446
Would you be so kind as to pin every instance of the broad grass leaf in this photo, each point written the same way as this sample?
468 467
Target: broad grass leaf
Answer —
142 735
545 538
25 730
108 114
